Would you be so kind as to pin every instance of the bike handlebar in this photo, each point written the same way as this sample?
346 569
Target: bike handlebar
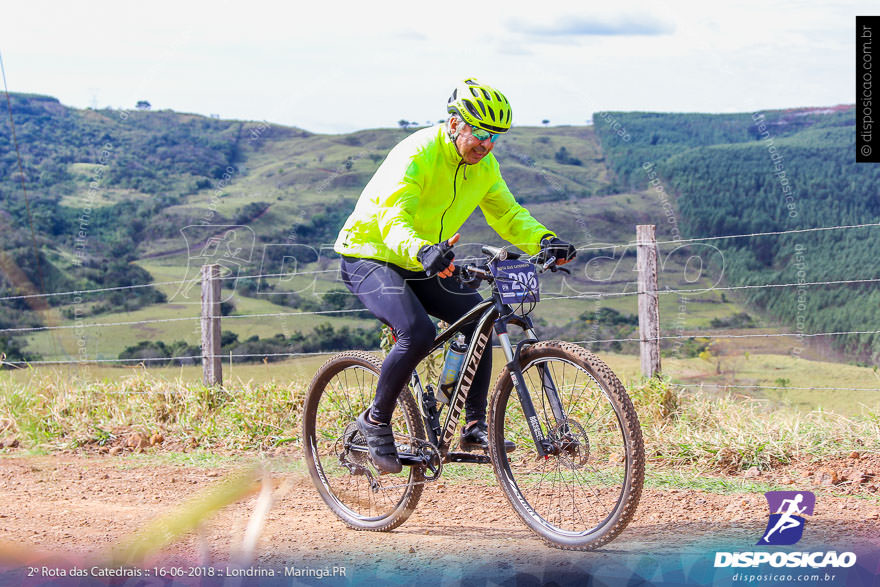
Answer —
470 273
499 253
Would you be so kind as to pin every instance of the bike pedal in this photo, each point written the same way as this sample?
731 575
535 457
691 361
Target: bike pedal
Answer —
468 457
469 448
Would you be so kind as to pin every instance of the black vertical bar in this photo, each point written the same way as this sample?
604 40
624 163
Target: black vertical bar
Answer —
867 30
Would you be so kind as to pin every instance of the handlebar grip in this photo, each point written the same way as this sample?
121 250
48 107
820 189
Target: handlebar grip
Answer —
499 252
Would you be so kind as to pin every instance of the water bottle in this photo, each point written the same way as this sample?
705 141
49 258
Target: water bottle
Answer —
451 368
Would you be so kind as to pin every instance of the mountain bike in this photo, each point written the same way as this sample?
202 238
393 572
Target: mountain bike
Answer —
576 474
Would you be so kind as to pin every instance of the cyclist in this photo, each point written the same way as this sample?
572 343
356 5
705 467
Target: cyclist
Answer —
404 226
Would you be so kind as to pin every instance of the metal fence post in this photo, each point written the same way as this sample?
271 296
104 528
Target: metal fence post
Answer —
212 370
649 310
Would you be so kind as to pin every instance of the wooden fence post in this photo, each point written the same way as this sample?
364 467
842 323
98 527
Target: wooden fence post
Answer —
649 310
212 370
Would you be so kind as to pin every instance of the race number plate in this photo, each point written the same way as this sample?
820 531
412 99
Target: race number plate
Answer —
517 281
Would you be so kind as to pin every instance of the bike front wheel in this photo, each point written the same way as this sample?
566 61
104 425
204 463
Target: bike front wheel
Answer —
585 492
335 451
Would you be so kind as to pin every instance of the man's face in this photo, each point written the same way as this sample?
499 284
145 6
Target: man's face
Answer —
471 149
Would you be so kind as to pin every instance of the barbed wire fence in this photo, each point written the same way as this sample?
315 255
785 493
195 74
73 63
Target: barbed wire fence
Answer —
209 354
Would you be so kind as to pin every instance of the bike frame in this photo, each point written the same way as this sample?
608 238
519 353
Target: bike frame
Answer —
490 314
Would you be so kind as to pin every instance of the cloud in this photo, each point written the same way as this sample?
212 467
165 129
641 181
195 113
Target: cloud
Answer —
582 26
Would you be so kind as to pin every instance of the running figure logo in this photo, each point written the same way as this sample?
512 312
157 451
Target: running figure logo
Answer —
787 510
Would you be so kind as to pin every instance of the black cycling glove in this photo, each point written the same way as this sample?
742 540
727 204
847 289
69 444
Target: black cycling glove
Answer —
435 258
552 246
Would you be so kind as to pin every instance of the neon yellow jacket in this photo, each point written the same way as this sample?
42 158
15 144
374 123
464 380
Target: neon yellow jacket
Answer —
422 194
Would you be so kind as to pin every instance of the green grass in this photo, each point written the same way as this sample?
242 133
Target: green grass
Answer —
201 459
757 368
51 409
765 370
662 478
735 432
57 411
83 198
108 342
279 373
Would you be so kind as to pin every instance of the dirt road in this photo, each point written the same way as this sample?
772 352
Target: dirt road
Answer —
82 505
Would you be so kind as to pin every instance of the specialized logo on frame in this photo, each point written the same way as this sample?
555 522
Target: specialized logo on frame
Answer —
787 511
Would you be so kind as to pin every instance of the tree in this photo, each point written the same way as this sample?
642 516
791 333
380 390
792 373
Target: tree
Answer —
143 105
545 122
11 349
403 123
563 156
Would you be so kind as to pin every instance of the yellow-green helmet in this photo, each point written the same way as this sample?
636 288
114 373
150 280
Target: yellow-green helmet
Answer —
481 106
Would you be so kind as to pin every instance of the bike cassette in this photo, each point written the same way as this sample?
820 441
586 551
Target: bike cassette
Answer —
354 460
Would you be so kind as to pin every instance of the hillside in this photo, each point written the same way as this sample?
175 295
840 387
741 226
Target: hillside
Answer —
773 171
124 198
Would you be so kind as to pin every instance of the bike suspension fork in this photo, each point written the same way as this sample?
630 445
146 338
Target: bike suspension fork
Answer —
549 387
525 399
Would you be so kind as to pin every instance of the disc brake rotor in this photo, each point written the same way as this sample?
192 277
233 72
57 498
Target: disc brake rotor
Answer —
573 443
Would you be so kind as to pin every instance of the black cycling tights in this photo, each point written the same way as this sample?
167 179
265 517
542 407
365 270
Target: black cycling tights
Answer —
403 299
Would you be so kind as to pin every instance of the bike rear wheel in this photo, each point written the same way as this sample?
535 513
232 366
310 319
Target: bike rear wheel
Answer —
584 495
343 473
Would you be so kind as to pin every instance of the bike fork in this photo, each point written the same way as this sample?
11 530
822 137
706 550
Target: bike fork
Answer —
542 445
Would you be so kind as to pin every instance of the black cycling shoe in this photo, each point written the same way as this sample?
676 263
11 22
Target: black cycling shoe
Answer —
380 441
477 437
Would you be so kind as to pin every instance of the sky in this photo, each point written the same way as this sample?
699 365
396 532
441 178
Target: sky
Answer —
331 66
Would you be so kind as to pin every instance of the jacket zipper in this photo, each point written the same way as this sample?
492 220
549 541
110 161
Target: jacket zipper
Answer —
454 192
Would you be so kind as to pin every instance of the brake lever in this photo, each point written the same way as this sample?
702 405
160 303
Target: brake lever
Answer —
548 264
470 276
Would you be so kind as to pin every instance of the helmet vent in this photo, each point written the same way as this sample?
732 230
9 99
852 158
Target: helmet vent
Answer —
470 108
491 113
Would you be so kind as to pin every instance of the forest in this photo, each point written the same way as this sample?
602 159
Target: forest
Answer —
769 172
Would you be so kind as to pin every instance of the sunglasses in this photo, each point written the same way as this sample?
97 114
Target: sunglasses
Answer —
482 135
